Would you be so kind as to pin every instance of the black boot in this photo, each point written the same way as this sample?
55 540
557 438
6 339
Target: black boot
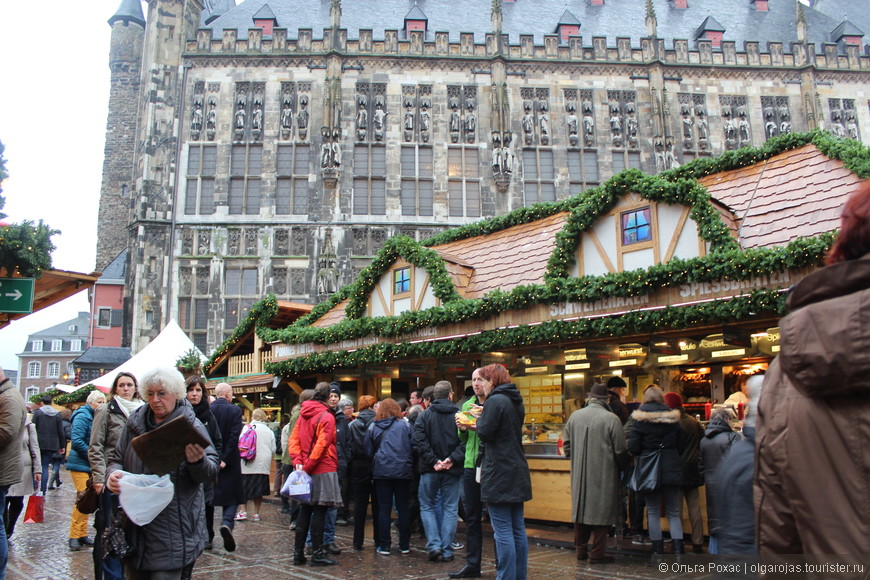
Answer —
658 549
321 559
299 548
679 547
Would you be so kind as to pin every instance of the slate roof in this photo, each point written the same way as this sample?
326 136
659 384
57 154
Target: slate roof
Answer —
796 193
617 18
110 356
855 11
129 11
116 269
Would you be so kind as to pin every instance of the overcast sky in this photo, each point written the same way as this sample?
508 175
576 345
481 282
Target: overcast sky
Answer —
53 106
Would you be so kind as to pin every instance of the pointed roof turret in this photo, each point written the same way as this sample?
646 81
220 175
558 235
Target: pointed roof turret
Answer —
801 22
265 13
568 18
845 28
416 14
129 11
709 25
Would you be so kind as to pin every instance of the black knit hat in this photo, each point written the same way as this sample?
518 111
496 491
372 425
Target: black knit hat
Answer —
335 387
615 382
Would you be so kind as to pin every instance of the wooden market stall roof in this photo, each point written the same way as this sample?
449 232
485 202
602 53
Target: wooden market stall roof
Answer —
796 193
52 287
286 313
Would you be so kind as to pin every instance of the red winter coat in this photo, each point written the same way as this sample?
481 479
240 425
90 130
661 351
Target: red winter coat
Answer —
312 442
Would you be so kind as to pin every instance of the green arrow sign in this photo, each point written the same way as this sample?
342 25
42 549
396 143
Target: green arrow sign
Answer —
16 295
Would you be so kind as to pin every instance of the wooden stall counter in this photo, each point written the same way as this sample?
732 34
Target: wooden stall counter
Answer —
551 489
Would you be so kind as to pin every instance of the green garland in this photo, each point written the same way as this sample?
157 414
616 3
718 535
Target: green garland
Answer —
395 248
732 264
760 302
598 201
258 316
37 398
76 396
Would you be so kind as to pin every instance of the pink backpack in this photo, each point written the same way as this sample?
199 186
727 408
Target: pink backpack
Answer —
248 443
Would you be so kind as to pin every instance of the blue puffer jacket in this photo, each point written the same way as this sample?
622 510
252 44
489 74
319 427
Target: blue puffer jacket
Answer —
82 421
395 456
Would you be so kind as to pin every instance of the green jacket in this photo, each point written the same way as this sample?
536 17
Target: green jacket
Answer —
472 441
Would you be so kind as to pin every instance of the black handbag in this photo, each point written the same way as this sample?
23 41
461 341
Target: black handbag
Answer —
87 501
118 541
646 475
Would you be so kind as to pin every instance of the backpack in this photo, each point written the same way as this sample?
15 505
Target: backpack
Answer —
248 443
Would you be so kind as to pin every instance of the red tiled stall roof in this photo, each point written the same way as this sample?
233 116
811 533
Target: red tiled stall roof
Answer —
793 194
504 260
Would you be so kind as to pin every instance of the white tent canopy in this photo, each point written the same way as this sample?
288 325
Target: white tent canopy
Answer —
163 351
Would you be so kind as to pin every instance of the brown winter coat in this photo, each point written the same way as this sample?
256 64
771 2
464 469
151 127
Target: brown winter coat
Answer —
594 443
812 466
12 415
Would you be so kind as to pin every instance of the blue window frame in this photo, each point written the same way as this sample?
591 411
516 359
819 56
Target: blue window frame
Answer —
636 226
402 281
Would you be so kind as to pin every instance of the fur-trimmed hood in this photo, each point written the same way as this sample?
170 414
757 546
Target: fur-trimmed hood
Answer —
656 413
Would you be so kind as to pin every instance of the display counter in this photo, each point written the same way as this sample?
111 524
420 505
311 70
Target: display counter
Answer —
551 486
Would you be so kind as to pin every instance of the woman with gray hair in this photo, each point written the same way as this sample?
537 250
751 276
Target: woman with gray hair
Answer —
109 422
78 465
176 536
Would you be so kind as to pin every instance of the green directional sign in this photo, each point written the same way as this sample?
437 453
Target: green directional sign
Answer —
16 295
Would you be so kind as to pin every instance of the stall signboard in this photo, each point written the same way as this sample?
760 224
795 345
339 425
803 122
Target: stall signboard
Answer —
414 370
375 371
16 295
452 365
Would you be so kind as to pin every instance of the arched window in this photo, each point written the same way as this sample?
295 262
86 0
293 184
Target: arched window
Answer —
34 369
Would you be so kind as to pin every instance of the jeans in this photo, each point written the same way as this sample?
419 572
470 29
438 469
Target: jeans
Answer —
328 528
4 548
671 494
229 515
473 517
387 490
46 457
511 542
439 521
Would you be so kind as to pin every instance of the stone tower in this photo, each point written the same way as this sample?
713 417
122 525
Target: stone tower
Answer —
125 64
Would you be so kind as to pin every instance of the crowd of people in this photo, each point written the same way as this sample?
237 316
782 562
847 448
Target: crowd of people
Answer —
433 461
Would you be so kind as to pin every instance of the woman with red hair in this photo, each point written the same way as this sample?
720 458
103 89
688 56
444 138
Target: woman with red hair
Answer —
814 410
505 483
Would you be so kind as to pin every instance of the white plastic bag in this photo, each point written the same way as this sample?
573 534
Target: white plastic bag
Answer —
298 486
144 496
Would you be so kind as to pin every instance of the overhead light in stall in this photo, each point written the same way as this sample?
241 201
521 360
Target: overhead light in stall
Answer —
574 376
537 369
617 372
628 362
577 366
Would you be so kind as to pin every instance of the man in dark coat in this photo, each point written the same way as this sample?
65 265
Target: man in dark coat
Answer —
441 458
51 435
594 443
229 491
616 390
693 432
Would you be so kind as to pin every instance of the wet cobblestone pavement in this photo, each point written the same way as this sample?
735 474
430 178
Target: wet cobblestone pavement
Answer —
39 551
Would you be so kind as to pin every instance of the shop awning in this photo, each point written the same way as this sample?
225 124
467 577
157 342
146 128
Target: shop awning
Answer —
51 288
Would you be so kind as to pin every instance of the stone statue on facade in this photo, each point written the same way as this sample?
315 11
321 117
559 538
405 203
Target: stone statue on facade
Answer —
362 119
455 120
425 120
573 123
470 121
588 123
379 118
196 118
302 118
528 123
211 119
